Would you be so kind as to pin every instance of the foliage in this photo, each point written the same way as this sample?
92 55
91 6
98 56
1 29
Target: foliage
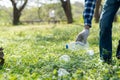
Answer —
42 13
32 52
5 15
77 10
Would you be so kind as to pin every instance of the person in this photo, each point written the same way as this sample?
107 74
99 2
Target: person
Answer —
87 15
106 19
52 15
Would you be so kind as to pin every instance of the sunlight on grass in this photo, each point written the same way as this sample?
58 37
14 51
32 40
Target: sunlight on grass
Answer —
32 52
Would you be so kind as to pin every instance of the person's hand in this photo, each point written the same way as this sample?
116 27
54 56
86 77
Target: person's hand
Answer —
82 36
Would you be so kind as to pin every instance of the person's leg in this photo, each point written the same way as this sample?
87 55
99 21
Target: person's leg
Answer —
109 10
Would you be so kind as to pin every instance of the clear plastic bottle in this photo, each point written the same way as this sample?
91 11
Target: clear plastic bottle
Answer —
65 58
77 45
90 52
62 72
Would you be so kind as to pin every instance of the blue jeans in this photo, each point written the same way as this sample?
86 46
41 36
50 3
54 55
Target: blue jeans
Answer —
105 43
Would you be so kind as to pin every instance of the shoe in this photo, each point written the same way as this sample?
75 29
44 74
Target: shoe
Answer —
108 61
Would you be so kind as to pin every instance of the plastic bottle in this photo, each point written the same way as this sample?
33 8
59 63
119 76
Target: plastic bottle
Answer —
90 52
77 45
64 58
62 72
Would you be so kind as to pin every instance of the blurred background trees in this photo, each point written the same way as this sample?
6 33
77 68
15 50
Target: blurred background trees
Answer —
21 11
67 9
17 9
98 10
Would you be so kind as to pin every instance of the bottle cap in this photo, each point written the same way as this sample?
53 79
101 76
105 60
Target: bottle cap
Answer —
66 46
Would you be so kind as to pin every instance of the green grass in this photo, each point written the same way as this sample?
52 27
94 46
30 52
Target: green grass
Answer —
32 53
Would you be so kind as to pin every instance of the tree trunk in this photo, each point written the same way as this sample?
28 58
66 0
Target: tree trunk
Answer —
97 10
67 9
16 16
17 11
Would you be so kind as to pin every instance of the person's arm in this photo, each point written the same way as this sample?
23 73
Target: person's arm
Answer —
87 15
88 12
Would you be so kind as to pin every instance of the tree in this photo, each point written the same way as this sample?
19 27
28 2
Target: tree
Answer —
17 10
67 9
97 10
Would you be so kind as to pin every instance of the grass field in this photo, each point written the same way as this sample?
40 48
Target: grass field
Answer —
32 53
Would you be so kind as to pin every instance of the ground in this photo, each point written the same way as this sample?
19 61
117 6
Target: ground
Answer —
32 52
